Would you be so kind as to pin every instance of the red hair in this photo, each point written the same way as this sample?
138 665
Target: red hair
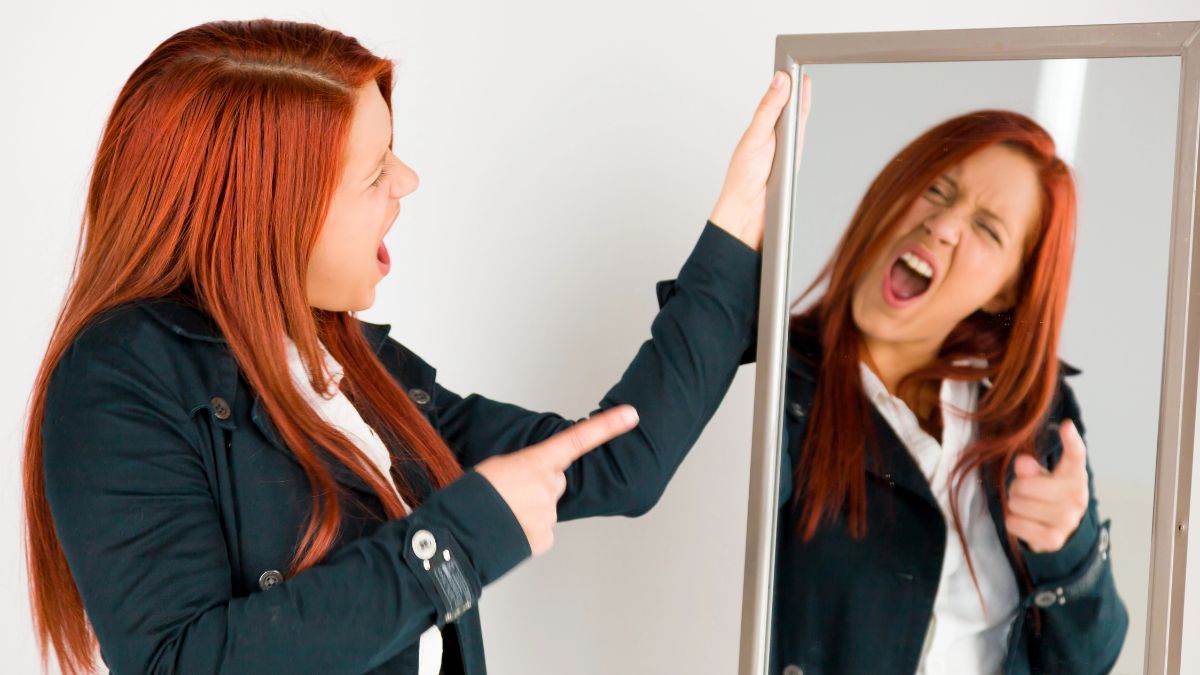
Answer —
1020 344
214 173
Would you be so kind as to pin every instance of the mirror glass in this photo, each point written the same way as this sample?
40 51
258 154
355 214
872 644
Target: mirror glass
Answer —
899 593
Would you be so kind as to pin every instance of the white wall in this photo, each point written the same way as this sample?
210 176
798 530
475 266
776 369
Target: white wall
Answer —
569 155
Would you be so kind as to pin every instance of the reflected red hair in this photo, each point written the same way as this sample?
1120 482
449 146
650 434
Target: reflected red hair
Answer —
1020 345
213 176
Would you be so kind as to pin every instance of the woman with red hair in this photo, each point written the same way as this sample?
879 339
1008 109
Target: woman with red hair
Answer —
226 471
939 512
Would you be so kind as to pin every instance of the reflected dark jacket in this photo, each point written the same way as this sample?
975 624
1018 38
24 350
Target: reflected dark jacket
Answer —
178 506
863 606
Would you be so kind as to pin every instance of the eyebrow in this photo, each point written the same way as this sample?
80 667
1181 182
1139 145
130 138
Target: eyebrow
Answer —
982 210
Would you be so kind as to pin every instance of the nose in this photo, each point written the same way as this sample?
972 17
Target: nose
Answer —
406 181
944 226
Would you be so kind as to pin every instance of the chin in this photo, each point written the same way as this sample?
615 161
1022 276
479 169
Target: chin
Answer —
873 323
367 300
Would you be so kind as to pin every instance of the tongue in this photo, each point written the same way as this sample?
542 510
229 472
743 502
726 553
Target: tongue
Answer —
382 254
907 283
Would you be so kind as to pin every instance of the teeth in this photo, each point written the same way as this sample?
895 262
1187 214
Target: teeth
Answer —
917 265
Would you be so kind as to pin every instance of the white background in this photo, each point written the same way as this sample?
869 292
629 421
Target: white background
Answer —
569 155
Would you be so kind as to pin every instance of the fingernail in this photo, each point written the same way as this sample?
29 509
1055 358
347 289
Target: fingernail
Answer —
777 80
630 415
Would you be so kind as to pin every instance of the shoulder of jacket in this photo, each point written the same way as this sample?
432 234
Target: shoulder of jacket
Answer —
125 327
396 357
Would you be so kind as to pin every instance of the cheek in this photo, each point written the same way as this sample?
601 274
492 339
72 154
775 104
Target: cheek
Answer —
338 251
976 276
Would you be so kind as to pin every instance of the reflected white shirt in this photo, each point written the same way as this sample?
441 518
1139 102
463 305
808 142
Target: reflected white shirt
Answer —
340 412
960 639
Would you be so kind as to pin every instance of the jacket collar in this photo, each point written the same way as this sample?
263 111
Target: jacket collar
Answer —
188 320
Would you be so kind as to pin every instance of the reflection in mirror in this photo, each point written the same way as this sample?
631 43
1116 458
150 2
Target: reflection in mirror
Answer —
979 254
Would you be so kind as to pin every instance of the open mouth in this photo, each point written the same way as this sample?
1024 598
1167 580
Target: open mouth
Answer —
910 276
385 260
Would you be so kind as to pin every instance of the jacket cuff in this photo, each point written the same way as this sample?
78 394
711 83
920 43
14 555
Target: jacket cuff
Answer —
460 539
723 258
1052 566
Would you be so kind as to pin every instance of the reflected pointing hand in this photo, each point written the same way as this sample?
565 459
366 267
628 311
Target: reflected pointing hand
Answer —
532 479
1044 507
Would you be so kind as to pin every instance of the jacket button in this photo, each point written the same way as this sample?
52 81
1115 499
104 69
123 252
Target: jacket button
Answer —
220 408
1045 599
793 669
424 545
419 396
797 410
269 579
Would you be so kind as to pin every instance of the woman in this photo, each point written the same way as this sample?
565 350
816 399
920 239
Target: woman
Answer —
226 471
939 512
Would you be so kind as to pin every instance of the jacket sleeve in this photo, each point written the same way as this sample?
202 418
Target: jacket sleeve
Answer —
703 331
131 504
1083 620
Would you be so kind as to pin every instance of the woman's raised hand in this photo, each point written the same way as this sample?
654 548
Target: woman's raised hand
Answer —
1046 507
741 207
532 479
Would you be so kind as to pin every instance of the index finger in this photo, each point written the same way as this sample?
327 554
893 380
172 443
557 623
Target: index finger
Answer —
767 113
1074 453
563 448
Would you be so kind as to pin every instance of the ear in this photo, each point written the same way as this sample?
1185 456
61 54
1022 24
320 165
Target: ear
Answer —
1003 301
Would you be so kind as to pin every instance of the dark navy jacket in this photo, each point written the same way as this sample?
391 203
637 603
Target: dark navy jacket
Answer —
178 506
863 606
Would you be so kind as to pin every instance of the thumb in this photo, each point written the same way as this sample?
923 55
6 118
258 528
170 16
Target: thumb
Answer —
1074 455
568 445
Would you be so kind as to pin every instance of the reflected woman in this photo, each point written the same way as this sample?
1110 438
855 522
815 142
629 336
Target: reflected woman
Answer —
227 471
937 507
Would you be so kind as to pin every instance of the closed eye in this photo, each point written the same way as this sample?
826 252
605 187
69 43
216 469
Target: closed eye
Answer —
989 230
382 173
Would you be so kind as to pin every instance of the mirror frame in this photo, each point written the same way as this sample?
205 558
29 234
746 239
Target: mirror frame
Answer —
1177 411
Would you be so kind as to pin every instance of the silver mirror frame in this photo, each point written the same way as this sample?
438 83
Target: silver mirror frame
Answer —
1181 353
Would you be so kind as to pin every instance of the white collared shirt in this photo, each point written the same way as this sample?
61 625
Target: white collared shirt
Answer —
340 412
960 639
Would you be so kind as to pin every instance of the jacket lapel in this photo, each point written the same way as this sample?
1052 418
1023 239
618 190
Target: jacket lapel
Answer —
340 472
405 368
187 319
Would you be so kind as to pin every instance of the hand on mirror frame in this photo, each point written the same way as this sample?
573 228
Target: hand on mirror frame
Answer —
742 204
532 479
1044 507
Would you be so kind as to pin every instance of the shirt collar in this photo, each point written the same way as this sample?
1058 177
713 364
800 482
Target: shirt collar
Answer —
874 388
300 373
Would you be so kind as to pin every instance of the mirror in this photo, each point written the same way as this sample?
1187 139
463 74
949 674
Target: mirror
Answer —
941 244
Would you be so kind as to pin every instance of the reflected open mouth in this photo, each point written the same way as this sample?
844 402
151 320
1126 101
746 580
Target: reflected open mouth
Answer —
910 276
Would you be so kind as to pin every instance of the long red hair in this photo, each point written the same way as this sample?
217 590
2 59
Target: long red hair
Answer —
1020 345
213 176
